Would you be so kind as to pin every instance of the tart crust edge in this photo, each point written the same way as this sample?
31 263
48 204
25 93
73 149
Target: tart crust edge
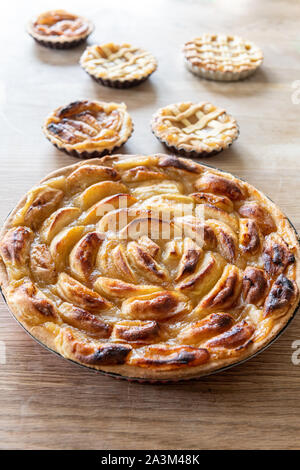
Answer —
62 41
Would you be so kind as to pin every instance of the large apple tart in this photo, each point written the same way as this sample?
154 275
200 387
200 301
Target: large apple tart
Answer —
149 267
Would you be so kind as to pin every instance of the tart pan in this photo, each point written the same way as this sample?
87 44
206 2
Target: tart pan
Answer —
194 153
60 45
122 84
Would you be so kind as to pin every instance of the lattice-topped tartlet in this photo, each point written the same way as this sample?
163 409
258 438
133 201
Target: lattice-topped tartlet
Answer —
194 129
59 29
88 129
222 57
150 267
118 66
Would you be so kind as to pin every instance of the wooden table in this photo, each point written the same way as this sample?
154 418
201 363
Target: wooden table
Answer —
46 402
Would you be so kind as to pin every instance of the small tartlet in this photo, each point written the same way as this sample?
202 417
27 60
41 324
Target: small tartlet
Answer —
222 57
194 129
118 66
59 29
88 129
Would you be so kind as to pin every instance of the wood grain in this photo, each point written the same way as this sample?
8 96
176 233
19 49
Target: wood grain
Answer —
46 402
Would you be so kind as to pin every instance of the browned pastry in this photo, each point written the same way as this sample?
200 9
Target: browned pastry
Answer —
59 29
222 57
88 129
149 267
194 129
118 65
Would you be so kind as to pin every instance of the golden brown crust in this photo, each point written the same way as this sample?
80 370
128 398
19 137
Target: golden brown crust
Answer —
264 220
59 28
167 358
212 325
136 331
222 57
276 254
237 336
194 129
255 285
86 321
119 65
89 127
281 295
144 307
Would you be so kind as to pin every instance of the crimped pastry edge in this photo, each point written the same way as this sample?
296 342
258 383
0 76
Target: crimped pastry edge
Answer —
217 75
143 374
195 153
122 82
85 153
60 42
228 76
60 45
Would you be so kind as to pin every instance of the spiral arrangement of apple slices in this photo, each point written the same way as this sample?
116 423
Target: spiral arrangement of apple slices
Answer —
149 266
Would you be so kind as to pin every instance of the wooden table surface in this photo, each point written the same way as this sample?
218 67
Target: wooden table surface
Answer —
47 402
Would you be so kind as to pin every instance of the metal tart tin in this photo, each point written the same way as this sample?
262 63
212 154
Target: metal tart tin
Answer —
57 43
169 381
87 155
95 154
217 75
194 153
60 45
121 84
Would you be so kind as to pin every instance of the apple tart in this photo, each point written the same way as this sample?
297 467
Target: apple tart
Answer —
59 29
222 57
149 267
194 130
88 129
118 65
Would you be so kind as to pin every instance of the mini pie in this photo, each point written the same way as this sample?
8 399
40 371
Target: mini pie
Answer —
118 66
59 29
149 267
88 129
194 129
222 57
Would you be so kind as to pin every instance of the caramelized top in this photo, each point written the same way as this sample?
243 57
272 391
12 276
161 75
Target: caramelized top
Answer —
59 23
85 125
154 263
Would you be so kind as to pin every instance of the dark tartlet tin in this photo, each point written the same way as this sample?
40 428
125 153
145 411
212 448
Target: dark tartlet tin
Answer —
56 43
169 381
60 45
193 153
96 154
121 84
87 155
